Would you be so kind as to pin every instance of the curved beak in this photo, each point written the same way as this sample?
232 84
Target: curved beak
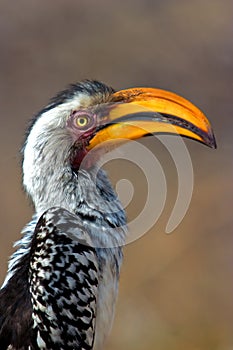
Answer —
137 112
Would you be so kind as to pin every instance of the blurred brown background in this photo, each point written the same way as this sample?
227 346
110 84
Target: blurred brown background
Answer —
176 290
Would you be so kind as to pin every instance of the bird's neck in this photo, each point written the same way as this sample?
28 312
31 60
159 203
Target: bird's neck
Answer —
52 182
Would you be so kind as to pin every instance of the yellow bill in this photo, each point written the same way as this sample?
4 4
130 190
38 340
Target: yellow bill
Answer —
137 112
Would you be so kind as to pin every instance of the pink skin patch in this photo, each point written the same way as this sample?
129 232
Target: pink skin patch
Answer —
82 125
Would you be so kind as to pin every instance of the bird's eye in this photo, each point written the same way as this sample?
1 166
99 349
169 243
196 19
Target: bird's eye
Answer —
82 121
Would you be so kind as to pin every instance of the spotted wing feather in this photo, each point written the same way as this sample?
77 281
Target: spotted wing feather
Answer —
62 273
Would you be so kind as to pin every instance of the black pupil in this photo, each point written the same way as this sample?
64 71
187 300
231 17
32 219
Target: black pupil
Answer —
82 121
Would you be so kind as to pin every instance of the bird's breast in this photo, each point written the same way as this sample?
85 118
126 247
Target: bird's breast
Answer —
110 260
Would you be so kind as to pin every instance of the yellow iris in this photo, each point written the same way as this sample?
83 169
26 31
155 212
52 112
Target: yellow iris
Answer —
82 121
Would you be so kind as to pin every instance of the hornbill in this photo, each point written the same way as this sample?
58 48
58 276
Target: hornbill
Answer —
62 281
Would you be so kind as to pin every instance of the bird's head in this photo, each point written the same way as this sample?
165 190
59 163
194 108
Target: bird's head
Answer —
90 116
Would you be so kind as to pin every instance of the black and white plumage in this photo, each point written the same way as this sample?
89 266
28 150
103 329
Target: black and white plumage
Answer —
62 272
62 282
